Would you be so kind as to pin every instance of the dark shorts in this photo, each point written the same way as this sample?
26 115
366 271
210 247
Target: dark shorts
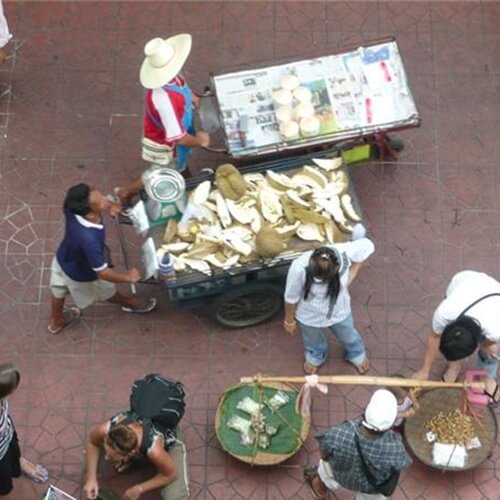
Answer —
10 466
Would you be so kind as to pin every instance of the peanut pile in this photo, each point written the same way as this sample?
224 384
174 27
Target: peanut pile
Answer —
453 427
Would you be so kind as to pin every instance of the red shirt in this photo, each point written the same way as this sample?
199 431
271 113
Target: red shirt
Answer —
165 107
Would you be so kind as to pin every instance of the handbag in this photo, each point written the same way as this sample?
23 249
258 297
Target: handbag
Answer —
385 487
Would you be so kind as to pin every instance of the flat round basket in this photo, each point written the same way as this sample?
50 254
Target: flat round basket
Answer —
446 400
293 428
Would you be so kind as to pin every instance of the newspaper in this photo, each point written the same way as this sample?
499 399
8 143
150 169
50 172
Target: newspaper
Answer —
364 90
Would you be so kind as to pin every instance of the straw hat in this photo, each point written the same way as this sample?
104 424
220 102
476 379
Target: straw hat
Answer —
164 60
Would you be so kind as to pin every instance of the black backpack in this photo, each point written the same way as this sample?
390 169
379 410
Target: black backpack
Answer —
157 400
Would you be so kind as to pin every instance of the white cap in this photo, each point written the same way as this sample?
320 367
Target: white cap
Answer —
381 411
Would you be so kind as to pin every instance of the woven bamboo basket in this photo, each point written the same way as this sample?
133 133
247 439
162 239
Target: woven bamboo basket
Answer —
434 401
261 457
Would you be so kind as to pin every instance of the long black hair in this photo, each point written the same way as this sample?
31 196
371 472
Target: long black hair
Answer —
77 199
324 265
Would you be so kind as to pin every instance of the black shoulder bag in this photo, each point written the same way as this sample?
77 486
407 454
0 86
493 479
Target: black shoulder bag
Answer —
385 487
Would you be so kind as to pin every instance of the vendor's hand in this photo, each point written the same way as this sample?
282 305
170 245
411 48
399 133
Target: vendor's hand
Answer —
203 139
133 493
91 489
133 275
290 327
115 209
411 412
421 375
490 349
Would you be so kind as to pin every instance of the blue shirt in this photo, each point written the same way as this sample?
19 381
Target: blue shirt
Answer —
81 252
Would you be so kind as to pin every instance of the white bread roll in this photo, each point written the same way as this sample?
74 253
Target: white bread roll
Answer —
284 114
303 110
289 82
302 94
289 130
309 126
282 98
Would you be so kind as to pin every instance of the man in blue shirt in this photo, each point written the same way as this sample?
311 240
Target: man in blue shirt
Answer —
80 267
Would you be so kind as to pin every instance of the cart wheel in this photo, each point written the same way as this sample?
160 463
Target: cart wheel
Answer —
248 305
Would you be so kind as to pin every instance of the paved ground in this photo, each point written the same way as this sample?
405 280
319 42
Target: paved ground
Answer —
74 114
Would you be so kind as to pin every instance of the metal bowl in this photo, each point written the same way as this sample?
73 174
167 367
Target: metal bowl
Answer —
163 184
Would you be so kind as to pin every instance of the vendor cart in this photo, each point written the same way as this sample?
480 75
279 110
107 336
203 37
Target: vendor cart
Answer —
358 95
245 294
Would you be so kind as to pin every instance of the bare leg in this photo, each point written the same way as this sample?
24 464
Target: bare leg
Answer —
452 372
57 319
128 192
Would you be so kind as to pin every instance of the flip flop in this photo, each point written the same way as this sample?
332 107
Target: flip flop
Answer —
363 368
42 471
310 473
147 307
71 314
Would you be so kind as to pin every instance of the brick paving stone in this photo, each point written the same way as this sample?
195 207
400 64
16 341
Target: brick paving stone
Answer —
74 115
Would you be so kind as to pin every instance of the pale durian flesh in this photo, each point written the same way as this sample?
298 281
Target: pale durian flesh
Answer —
311 204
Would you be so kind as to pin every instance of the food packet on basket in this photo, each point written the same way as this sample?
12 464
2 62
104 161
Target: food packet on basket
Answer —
248 405
263 441
247 438
449 455
473 443
239 424
278 400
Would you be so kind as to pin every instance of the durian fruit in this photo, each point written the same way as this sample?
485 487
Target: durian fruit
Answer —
230 182
268 242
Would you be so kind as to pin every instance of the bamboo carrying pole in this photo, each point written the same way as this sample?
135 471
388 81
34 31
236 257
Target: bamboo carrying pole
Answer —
367 380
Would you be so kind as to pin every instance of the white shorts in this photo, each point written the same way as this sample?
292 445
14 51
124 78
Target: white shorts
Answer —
179 489
325 473
84 293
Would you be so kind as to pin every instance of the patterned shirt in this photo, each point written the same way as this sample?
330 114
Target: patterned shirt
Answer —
6 428
165 107
315 311
382 455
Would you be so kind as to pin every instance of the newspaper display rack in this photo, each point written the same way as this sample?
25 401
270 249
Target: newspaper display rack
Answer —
355 94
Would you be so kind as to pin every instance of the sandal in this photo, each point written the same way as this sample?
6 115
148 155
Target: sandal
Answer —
309 369
310 474
363 367
71 314
149 306
494 397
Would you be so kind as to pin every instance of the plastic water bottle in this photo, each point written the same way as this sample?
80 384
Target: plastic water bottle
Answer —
167 271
